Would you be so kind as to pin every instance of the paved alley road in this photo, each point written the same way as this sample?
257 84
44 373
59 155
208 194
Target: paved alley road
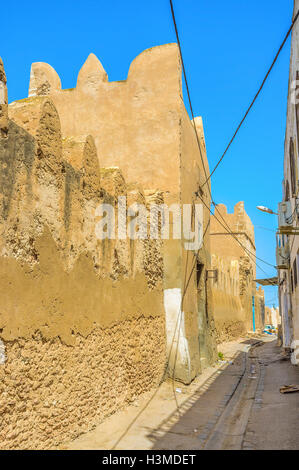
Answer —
253 414
235 405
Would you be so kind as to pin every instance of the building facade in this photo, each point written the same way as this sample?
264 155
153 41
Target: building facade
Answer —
87 324
288 238
272 316
141 126
237 305
82 321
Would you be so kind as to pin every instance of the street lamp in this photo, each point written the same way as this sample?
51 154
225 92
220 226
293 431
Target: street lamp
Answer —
266 209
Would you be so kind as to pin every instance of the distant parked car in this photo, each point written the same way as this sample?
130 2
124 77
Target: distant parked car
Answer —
270 329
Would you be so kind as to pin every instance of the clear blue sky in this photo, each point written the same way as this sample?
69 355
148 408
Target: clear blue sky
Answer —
227 48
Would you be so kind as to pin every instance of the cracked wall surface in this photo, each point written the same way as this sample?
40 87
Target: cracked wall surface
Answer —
82 323
64 152
51 392
234 291
141 126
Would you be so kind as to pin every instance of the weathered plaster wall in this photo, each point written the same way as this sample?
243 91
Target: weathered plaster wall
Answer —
194 170
187 294
141 125
259 309
235 288
241 226
81 320
228 309
135 122
51 392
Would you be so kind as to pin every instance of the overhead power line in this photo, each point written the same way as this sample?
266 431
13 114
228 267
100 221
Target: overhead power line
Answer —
255 98
176 328
186 284
187 88
224 224
226 227
252 256
265 228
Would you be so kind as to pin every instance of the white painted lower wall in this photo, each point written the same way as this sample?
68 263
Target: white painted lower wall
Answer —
177 343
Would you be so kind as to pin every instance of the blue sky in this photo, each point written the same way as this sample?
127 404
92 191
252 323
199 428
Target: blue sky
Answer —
227 48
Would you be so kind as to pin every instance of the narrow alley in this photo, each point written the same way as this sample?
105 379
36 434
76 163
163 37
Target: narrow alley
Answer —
235 405
149 222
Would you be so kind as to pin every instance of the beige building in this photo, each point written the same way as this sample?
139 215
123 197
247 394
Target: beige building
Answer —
288 240
86 325
238 307
141 126
272 316
82 322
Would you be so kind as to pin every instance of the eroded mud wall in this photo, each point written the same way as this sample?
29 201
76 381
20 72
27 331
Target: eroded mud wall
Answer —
141 126
233 290
82 323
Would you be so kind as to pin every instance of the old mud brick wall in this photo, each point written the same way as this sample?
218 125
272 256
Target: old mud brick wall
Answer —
234 289
141 125
82 324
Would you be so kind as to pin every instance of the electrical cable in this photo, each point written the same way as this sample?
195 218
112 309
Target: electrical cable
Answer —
255 98
178 321
168 358
198 142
